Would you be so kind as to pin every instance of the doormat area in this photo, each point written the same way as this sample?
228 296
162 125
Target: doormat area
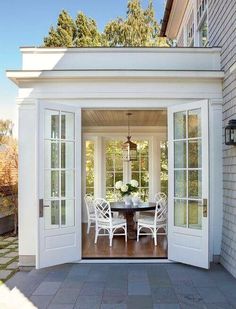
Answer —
9 258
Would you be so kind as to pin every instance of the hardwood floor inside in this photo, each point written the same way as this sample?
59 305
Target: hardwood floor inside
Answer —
132 249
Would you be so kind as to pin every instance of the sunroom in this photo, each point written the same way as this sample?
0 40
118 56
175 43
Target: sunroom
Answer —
74 102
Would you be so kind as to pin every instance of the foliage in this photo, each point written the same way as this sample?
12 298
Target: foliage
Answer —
6 128
64 34
139 28
8 179
164 167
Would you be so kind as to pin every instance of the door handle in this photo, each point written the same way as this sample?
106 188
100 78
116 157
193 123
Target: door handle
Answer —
41 206
204 205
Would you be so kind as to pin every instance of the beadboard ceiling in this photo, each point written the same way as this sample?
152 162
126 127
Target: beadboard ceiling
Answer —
96 118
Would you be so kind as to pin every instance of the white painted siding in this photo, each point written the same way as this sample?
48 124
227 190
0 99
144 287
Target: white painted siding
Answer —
222 33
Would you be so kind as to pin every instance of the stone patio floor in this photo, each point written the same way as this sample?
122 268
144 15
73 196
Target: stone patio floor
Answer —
8 257
127 286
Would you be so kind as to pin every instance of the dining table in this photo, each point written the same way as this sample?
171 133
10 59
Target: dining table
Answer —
129 211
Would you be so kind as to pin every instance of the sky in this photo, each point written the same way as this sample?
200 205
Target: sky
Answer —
26 23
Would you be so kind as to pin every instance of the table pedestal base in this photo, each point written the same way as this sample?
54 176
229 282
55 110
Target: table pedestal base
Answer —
131 231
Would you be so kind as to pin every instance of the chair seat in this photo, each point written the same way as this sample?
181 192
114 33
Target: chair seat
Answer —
118 221
150 221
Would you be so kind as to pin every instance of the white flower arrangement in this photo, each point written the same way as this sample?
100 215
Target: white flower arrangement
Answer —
128 188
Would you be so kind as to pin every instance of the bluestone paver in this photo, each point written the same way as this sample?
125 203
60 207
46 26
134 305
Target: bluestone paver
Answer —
127 286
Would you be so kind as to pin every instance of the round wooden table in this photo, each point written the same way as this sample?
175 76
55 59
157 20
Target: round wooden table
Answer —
128 211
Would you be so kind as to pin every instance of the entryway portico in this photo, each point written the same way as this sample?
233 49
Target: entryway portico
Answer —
62 82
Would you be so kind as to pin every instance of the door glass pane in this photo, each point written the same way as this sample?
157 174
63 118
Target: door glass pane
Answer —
180 125
51 124
195 153
67 184
194 123
180 213
51 184
67 213
59 165
180 154
51 214
195 184
195 214
180 183
67 155
51 155
67 126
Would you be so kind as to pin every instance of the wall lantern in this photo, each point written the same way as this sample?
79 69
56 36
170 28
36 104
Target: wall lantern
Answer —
230 133
129 148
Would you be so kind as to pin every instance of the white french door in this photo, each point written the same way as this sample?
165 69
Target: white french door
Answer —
188 184
59 223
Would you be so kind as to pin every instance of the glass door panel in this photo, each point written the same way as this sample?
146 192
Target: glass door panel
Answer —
187 169
59 169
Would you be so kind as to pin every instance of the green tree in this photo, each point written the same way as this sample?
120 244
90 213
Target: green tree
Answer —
87 32
139 28
65 33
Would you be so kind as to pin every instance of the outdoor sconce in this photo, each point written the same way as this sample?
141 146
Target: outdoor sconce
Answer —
230 133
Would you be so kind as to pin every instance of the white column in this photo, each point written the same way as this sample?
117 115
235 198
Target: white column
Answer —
154 168
99 185
28 181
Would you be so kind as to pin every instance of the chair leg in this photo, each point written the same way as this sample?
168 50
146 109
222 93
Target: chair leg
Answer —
88 227
96 235
155 237
110 238
138 234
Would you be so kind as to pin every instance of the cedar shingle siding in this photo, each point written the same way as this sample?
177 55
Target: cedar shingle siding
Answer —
222 32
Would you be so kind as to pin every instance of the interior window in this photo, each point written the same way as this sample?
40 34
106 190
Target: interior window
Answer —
90 167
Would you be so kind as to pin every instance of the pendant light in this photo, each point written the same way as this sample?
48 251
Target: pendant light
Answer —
129 148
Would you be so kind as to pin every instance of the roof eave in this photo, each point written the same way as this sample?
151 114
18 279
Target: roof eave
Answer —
165 19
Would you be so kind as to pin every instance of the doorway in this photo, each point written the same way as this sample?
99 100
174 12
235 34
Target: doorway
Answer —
104 133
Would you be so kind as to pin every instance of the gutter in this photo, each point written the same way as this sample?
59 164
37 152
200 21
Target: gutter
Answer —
165 19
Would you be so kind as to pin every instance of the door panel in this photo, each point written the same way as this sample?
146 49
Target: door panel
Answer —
188 183
59 185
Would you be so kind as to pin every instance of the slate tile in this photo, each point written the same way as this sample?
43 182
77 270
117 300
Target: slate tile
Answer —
164 295
211 295
114 299
66 296
91 288
41 302
88 302
139 288
139 302
47 288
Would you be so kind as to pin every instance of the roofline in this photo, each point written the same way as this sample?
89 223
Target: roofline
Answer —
165 19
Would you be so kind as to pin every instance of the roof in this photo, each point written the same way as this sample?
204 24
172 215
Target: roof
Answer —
165 19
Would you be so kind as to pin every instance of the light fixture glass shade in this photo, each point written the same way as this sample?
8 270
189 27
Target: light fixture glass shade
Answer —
129 150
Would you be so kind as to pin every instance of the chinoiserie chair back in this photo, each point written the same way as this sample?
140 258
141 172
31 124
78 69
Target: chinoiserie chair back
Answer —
89 202
155 223
102 212
105 223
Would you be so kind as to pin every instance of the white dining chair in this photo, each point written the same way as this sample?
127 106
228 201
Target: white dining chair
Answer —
154 223
88 199
105 222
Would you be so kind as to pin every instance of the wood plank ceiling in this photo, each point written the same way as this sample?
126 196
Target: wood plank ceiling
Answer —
92 118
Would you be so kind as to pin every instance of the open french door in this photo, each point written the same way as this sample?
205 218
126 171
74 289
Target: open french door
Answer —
59 223
188 184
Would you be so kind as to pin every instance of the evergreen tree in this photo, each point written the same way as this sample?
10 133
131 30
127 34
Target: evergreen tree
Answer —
140 28
65 33
87 32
